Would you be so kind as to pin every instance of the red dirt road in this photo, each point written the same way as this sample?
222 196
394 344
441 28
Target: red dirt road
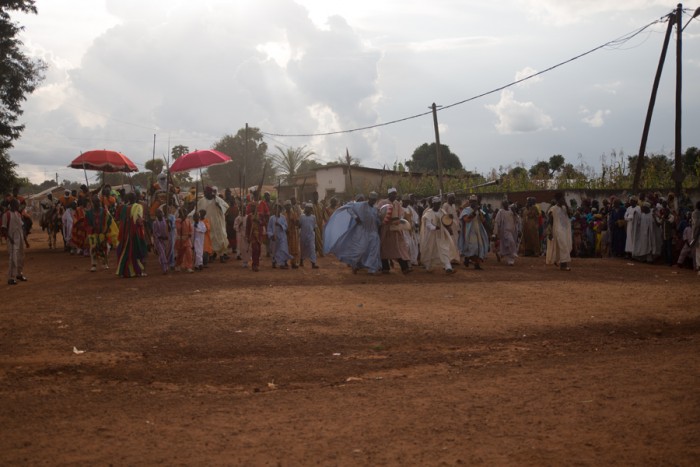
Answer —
523 365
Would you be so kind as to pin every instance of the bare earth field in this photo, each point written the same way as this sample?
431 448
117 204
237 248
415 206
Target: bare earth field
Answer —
523 365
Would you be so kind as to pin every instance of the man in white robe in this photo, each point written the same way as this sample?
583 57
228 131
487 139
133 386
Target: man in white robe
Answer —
559 240
451 209
632 211
411 216
216 209
436 244
645 239
506 229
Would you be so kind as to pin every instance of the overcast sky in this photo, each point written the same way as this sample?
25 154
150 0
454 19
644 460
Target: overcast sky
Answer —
191 72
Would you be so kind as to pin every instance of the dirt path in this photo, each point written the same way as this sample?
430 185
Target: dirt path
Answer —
521 365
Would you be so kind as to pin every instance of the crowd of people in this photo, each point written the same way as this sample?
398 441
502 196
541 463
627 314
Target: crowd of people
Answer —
185 232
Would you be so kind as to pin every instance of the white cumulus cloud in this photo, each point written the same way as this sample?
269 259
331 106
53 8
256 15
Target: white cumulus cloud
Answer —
519 117
595 119
524 73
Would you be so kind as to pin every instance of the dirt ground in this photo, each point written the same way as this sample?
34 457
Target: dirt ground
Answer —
523 365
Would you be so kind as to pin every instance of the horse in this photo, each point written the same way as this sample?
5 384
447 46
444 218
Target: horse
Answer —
53 223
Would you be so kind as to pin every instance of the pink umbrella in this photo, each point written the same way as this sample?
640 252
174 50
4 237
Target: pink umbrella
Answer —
199 159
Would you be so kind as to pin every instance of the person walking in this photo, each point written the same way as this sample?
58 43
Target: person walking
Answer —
559 239
12 229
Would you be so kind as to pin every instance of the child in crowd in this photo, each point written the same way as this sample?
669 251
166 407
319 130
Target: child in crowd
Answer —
208 252
242 242
687 250
183 242
200 230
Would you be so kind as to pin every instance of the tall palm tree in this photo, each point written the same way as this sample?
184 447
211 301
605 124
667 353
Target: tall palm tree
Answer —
288 160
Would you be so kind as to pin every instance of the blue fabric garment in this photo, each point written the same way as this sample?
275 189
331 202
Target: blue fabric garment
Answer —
308 237
277 231
352 235
473 239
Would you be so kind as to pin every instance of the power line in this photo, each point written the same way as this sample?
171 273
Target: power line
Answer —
613 43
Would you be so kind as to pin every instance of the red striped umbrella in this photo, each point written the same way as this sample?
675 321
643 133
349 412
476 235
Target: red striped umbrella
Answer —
104 160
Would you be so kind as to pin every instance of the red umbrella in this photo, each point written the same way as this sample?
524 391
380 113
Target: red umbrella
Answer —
199 159
104 160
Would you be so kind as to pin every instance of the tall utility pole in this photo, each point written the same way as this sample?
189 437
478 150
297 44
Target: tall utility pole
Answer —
437 148
245 163
650 109
678 173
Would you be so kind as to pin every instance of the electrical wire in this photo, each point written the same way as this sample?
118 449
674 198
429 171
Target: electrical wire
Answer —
610 44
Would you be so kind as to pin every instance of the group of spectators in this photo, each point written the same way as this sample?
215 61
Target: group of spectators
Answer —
186 232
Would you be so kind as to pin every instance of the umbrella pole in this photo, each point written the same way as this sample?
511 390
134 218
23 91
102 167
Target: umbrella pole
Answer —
87 184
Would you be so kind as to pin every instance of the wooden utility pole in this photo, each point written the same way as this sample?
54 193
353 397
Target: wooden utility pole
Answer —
678 173
650 109
245 164
437 148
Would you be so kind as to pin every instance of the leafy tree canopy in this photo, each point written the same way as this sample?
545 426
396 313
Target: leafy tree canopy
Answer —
424 159
245 168
155 165
19 76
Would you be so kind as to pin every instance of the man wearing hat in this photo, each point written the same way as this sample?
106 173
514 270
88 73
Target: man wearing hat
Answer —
66 199
392 240
436 245
632 211
473 241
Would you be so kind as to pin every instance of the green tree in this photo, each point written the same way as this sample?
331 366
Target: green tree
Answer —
19 76
180 178
8 175
245 168
540 170
556 163
308 165
424 159
518 172
569 172
155 165
657 171
690 160
178 151
287 161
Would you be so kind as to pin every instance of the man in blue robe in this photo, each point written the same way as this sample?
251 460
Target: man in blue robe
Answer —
277 233
473 240
307 221
352 234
